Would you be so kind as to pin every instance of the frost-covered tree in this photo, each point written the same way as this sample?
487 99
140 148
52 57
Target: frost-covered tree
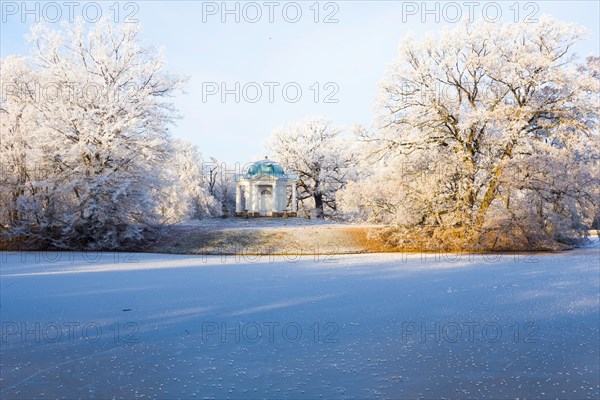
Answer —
490 128
96 135
186 196
221 185
18 122
323 159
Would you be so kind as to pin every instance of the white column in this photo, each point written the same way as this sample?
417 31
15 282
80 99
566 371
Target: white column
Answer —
256 202
294 201
250 205
275 198
238 198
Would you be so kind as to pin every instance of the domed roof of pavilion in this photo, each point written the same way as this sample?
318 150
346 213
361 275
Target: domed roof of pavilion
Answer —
266 167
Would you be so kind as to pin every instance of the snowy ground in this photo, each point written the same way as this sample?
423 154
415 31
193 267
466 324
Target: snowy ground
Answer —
265 236
351 326
251 223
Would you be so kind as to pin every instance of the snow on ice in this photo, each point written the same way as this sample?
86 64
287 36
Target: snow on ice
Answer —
116 325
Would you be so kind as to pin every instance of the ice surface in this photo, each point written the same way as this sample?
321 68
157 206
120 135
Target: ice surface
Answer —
372 325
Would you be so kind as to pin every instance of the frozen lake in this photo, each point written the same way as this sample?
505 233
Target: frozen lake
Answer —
106 325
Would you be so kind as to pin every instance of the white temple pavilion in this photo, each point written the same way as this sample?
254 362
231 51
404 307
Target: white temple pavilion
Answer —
265 190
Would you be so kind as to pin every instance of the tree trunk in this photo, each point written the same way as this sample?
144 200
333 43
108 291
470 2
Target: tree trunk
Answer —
490 194
319 205
469 196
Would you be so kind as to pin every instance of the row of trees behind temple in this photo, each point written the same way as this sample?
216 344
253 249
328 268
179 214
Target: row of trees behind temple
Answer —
485 137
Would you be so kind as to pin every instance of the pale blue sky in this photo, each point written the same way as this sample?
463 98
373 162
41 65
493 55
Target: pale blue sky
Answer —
352 53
